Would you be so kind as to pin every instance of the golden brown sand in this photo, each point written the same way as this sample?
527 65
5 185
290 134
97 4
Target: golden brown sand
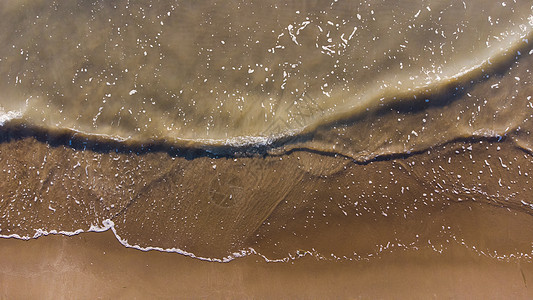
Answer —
451 222
96 266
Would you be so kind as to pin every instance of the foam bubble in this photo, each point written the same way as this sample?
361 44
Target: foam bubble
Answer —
9 115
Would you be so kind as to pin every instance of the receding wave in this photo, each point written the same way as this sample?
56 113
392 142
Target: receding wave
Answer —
195 75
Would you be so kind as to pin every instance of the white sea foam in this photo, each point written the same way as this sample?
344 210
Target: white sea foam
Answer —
108 224
9 115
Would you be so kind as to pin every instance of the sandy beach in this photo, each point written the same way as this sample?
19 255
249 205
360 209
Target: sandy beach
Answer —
266 149
457 243
96 266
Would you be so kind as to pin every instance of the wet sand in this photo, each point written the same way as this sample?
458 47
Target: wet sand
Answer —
96 266
279 206
451 222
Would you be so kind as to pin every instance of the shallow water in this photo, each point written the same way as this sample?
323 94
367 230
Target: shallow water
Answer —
217 73
337 130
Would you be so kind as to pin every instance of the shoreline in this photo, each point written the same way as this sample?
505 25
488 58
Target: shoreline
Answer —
206 207
95 265
196 149
453 228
